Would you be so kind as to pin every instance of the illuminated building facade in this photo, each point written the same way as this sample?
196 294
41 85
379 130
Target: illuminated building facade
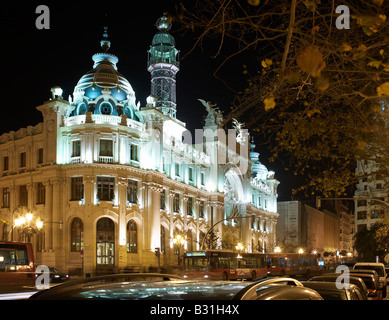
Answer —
113 181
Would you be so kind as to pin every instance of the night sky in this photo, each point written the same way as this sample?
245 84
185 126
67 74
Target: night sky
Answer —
33 61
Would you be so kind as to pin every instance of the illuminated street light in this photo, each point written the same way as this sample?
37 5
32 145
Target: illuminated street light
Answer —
178 242
239 247
301 251
277 249
25 225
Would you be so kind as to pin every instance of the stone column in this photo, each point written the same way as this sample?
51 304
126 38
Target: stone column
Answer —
122 225
48 227
89 190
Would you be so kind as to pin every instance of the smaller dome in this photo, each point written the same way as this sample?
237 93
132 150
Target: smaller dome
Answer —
163 38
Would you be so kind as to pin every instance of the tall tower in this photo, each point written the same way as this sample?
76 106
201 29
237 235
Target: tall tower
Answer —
163 65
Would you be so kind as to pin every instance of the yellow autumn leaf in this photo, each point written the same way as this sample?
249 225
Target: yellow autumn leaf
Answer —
269 103
266 63
386 67
375 63
378 2
310 60
253 2
383 89
345 47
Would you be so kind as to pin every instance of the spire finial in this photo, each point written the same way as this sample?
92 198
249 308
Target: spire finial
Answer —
105 43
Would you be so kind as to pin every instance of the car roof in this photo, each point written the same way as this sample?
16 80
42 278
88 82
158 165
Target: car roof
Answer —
370 264
249 292
286 292
144 287
323 285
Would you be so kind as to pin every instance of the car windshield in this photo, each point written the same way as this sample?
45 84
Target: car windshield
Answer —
378 269
332 295
175 290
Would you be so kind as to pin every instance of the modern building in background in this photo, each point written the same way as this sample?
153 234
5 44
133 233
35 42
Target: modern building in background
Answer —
371 185
324 231
110 181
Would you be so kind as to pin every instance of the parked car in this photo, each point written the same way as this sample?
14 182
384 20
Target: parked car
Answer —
56 276
166 287
333 277
379 268
372 284
329 291
251 291
286 292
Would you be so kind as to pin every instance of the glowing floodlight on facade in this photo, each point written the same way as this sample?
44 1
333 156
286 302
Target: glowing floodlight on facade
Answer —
151 101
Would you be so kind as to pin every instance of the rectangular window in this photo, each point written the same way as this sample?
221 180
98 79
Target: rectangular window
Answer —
132 191
41 193
190 174
362 215
23 196
177 170
163 200
40 156
176 203
134 153
201 209
22 159
106 148
190 206
361 203
6 198
76 148
77 188
105 188
5 163
202 178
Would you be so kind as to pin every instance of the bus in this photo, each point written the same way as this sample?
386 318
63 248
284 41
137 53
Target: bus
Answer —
224 265
17 265
280 264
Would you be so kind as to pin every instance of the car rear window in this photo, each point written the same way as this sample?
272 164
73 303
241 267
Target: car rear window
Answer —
379 270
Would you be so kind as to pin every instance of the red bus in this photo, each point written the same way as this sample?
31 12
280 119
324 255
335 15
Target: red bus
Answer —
17 265
224 264
280 264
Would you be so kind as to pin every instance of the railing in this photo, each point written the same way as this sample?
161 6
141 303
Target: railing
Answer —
105 159
103 119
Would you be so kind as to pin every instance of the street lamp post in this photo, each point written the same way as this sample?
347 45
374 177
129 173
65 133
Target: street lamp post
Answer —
27 226
179 241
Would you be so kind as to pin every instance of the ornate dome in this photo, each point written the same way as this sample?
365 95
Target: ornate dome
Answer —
104 90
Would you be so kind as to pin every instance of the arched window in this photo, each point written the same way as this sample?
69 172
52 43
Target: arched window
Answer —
132 242
105 242
105 108
76 235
